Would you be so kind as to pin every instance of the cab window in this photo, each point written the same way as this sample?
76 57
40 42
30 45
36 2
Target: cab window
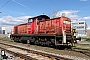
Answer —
31 20
39 18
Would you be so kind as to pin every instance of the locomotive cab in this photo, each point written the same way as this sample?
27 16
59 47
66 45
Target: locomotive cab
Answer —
40 18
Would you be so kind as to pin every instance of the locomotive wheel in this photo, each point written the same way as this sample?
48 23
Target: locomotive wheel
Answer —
32 40
47 43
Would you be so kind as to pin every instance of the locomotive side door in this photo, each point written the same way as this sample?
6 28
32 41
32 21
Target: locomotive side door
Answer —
29 30
30 27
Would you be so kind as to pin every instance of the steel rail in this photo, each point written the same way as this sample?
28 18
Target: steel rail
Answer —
51 56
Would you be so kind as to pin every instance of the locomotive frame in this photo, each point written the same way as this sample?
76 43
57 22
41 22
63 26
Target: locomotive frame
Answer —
44 39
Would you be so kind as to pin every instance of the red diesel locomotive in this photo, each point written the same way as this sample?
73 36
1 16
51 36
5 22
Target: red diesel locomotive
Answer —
41 30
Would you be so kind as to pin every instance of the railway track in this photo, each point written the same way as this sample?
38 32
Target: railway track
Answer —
29 54
83 51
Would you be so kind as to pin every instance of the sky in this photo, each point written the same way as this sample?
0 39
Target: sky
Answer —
14 12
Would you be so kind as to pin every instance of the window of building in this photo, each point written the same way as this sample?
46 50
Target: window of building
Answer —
80 27
74 27
74 23
81 22
3 32
81 31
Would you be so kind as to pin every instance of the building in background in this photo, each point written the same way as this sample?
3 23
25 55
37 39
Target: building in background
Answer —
80 26
88 32
7 30
3 30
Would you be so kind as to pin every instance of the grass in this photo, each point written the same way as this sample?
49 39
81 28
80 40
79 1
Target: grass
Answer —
86 39
83 46
6 39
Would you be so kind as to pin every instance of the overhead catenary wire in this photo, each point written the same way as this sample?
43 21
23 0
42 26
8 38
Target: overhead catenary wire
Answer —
20 4
5 4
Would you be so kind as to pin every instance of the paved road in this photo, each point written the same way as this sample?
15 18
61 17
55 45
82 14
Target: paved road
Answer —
83 42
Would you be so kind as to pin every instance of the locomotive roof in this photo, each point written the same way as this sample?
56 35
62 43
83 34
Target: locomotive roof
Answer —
43 16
